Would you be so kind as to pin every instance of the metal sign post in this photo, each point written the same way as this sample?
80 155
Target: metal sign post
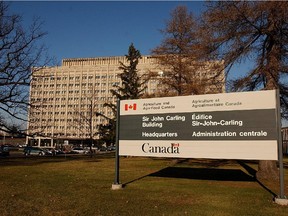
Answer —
281 199
117 185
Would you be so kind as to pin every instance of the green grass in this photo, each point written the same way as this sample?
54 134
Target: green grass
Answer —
153 186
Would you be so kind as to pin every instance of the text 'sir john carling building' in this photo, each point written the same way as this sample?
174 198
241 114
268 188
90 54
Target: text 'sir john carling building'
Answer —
66 98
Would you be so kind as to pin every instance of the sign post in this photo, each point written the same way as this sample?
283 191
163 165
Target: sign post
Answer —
117 185
281 199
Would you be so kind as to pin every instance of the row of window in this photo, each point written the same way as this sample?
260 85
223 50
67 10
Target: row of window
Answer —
58 123
33 100
75 85
102 91
67 135
51 77
69 112
76 78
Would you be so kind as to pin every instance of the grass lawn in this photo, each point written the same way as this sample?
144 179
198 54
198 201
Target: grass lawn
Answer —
152 186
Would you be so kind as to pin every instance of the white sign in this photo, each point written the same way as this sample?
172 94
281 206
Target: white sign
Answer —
220 126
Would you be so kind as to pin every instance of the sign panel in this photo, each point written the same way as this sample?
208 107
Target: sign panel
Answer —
220 126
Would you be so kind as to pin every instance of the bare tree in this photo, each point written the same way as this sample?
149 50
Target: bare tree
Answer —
179 57
19 52
255 31
84 118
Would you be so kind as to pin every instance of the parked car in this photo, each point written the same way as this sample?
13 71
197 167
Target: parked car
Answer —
59 151
30 150
103 148
111 148
50 151
4 151
10 147
80 151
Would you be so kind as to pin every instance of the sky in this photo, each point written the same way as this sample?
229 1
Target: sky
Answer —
87 29
79 29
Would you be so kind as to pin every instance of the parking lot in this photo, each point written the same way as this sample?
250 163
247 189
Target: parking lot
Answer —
19 152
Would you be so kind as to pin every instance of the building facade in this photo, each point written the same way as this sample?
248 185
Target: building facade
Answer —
66 98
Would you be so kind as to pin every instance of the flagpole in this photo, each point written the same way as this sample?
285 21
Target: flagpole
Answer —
117 185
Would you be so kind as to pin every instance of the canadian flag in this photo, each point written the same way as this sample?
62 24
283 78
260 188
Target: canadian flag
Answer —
130 106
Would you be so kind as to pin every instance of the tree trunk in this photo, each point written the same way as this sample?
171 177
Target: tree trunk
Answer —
267 170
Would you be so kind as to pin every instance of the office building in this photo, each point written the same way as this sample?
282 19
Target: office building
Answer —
65 98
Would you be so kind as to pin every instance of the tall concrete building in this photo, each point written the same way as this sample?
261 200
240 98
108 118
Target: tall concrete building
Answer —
66 98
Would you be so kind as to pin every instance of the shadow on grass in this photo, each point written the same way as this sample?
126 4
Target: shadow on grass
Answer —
214 174
198 173
203 174
252 172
